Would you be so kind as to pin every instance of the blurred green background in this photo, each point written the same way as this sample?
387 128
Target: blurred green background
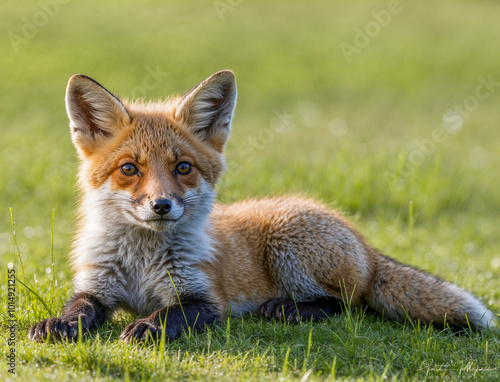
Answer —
388 110
338 100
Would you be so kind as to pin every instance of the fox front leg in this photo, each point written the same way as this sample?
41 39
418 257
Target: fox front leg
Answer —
173 320
83 308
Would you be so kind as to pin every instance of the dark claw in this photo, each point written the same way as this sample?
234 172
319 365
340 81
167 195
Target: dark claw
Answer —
139 331
59 328
280 308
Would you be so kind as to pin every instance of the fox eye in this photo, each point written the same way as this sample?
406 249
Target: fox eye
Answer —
128 169
183 168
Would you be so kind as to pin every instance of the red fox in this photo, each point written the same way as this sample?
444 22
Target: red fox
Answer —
151 240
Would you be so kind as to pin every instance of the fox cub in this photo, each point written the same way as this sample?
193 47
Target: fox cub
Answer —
151 239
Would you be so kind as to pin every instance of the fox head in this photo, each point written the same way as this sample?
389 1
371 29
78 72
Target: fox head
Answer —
151 165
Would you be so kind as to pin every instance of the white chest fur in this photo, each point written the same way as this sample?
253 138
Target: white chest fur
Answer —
140 270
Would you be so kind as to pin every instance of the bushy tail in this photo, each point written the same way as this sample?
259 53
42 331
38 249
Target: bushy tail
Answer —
400 291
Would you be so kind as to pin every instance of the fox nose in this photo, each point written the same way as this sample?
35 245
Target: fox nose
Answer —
161 206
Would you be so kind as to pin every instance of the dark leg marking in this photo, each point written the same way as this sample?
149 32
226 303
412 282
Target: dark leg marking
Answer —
196 315
286 309
91 312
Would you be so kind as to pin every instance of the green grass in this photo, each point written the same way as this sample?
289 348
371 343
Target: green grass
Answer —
287 59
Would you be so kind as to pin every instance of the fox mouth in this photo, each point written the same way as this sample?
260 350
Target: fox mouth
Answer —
162 219
156 223
161 223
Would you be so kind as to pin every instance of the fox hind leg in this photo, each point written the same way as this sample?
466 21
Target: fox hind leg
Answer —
291 311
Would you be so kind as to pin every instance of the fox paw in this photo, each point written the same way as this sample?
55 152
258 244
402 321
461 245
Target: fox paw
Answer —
58 328
282 309
290 311
140 330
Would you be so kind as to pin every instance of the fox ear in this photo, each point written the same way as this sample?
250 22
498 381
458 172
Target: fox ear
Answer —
207 110
95 114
